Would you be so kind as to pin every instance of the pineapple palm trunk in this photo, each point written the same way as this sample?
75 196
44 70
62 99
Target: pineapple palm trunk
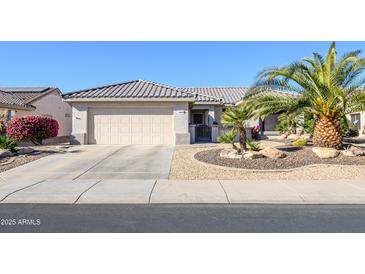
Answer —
327 133
242 136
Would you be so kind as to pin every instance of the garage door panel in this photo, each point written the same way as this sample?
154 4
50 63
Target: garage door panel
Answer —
130 126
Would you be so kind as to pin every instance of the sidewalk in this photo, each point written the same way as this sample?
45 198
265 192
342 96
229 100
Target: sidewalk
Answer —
170 191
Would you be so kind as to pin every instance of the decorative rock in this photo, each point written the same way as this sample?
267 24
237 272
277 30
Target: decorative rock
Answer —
348 153
293 137
357 151
224 153
272 153
283 136
230 154
5 153
325 152
249 155
25 150
305 136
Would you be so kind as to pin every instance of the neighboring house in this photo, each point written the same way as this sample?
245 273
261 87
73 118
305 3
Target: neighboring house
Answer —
144 112
358 119
46 101
10 103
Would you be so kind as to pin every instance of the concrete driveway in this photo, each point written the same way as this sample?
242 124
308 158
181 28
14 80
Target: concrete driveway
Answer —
97 162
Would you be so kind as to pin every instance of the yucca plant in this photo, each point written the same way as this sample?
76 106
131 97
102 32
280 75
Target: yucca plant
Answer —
236 117
327 88
229 138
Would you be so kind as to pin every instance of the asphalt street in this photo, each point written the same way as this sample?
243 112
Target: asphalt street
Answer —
181 218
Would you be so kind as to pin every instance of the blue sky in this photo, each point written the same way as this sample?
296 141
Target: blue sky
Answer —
77 65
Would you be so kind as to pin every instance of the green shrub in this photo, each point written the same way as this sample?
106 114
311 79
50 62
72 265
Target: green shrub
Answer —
299 143
228 138
7 143
253 145
282 127
309 125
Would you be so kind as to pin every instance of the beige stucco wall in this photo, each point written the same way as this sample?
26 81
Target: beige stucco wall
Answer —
52 105
180 117
3 111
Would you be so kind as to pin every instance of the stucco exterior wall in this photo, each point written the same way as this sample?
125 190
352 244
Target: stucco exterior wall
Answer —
180 117
53 106
362 122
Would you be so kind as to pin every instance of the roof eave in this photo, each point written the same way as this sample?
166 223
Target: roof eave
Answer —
136 99
17 107
208 103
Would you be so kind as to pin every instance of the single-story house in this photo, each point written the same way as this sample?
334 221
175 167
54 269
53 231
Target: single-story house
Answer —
45 101
10 103
144 112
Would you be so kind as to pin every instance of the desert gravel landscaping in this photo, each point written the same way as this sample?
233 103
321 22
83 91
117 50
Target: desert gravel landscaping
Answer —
7 163
296 157
185 167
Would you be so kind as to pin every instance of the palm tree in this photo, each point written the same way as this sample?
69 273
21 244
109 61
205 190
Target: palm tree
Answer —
326 88
236 117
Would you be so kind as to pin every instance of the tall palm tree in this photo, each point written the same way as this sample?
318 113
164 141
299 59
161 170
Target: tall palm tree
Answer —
236 117
325 87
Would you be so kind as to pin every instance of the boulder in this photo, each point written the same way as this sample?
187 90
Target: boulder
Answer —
229 154
5 153
272 153
283 136
305 136
25 150
249 155
224 153
293 137
357 151
348 153
325 152
232 154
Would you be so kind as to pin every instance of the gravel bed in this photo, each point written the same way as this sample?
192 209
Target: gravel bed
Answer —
185 167
39 152
296 157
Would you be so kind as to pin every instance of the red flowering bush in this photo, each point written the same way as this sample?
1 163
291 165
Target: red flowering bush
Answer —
32 128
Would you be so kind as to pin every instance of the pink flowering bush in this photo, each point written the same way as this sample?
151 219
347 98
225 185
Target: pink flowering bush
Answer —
255 132
32 128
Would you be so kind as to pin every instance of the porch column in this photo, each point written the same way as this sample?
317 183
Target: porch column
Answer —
192 133
215 133
211 115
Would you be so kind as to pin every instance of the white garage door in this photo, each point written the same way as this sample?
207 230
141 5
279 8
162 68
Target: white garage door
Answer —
110 126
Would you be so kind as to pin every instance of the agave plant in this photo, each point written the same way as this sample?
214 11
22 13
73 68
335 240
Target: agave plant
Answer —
236 117
324 87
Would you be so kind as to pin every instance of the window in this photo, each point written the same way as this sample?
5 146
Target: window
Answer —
355 119
198 118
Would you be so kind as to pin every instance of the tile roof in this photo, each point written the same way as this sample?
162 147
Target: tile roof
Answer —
132 89
27 94
228 95
12 100
147 89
